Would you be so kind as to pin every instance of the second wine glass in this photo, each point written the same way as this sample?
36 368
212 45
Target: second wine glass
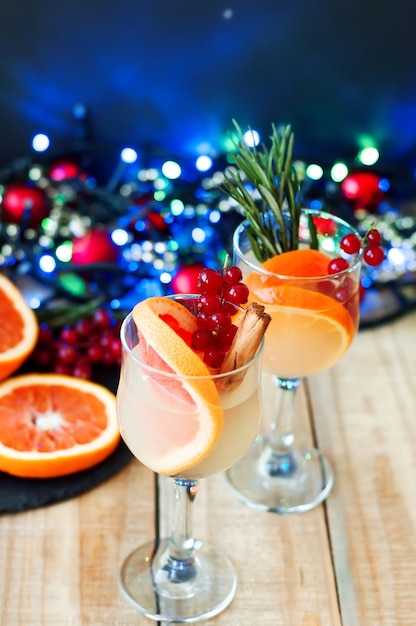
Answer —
314 320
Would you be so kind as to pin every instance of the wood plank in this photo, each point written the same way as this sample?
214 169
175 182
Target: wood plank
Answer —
365 415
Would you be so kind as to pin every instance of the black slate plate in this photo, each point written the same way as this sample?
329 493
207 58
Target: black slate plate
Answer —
21 494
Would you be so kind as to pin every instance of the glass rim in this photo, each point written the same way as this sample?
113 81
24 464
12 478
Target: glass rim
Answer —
355 259
173 375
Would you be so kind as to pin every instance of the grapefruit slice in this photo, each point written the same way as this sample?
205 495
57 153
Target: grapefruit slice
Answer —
18 328
165 330
53 425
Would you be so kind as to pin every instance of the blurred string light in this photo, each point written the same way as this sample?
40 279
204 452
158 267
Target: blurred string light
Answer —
339 171
368 155
40 142
152 191
203 163
251 138
171 169
314 171
128 155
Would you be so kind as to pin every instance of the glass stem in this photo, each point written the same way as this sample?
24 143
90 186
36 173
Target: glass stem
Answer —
180 565
281 459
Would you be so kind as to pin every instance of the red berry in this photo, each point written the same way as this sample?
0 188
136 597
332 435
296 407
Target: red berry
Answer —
208 303
350 243
101 318
67 354
233 275
95 353
209 281
84 327
374 255
335 266
214 357
68 335
373 237
226 336
46 335
82 370
201 339
218 321
236 294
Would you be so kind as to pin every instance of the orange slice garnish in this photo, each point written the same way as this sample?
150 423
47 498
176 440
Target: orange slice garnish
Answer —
53 425
165 329
309 330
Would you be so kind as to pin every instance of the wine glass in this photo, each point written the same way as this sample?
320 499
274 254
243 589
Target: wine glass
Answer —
314 320
180 578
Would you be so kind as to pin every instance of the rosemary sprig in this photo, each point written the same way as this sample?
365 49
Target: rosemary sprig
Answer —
273 212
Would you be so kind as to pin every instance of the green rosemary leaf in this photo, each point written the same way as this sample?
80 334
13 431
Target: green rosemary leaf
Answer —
271 173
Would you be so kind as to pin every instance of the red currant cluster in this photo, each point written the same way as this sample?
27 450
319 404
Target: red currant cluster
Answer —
219 293
373 253
74 350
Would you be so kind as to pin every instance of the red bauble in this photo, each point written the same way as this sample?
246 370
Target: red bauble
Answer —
363 190
94 247
186 278
64 170
24 201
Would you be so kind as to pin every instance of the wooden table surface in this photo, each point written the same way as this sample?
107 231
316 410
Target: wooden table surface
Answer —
349 562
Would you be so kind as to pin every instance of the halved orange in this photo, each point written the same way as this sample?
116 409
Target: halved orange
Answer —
53 425
165 327
18 328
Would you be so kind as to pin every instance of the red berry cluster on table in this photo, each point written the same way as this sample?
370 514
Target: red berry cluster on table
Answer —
220 291
75 349
373 253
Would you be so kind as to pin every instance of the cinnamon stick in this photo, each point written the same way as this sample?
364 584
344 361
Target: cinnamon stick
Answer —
245 344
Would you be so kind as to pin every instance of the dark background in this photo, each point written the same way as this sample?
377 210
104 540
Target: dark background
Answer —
169 76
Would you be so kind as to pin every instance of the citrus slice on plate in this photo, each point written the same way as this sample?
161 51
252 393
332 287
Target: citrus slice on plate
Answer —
53 425
165 330
18 328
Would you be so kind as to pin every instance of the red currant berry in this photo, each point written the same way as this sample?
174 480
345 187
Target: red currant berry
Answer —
209 281
201 339
84 327
68 335
236 294
101 318
230 309
67 354
350 243
62 368
373 237
82 370
374 255
226 336
208 303
218 321
335 266
95 353
214 357
46 335
233 275
43 357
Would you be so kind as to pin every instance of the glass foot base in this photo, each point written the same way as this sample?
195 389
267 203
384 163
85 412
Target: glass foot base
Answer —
284 484
169 590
